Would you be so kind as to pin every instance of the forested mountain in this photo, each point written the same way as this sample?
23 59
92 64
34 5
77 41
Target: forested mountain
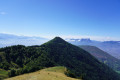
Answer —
102 56
57 52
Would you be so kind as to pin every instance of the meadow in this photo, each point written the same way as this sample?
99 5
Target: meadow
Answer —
52 73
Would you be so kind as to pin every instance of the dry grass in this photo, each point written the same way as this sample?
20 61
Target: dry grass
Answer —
54 73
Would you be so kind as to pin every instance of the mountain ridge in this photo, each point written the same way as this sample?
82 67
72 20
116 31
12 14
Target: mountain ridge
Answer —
102 56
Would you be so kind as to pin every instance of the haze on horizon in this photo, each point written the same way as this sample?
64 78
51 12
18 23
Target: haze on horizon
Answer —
95 19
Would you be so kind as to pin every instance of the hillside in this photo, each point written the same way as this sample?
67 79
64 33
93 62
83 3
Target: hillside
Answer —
102 56
53 73
3 74
57 52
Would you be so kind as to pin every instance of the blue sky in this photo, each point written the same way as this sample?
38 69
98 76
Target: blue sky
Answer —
97 19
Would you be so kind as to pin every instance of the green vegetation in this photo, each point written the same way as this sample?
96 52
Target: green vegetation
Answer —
102 56
3 74
57 52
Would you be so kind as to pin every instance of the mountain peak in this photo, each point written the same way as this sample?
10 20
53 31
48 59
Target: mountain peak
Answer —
86 40
76 60
58 39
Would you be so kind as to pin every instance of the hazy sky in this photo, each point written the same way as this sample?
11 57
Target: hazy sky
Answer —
93 18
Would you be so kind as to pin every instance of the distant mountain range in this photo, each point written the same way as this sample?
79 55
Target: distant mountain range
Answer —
112 47
9 39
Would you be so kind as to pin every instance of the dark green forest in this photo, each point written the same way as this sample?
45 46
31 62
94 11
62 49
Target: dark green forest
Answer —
20 59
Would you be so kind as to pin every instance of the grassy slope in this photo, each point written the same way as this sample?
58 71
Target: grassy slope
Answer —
53 73
3 74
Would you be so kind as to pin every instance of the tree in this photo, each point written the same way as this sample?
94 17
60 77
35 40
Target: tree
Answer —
12 73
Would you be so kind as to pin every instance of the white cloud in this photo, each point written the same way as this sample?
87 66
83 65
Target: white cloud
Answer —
98 38
3 13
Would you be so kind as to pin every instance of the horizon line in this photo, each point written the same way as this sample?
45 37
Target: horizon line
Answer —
96 38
